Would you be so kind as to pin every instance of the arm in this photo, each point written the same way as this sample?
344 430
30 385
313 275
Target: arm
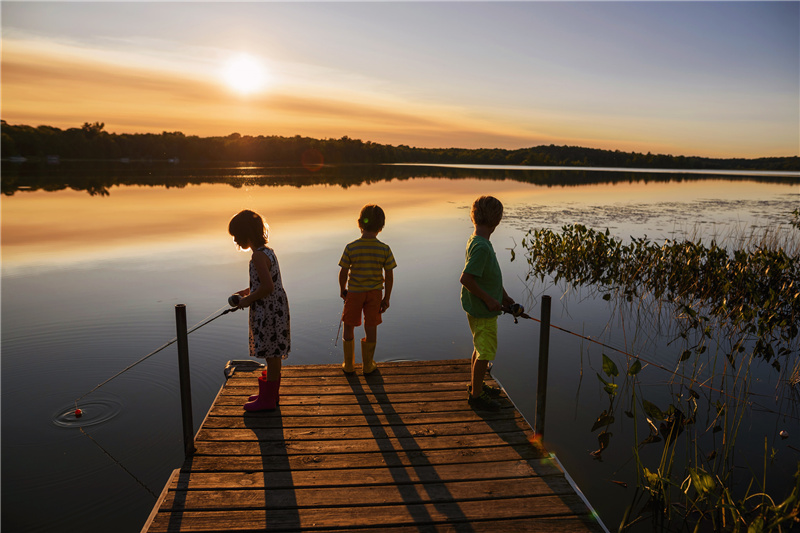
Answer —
388 284
508 301
343 281
468 281
263 266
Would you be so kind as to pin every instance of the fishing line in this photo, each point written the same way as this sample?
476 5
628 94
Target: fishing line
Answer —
521 314
162 347
120 464
210 318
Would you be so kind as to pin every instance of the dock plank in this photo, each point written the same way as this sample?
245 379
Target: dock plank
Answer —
399 450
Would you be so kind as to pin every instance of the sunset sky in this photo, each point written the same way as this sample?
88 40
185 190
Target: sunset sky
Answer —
716 79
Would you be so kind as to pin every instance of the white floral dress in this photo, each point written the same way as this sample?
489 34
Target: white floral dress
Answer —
270 334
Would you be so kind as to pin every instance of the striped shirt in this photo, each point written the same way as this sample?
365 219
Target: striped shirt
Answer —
366 259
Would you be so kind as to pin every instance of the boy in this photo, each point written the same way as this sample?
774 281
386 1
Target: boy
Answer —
483 297
365 263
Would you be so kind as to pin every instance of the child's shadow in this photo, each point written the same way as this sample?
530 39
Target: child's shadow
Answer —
279 502
415 477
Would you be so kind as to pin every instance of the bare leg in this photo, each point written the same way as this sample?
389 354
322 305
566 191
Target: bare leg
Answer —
348 334
274 368
478 372
371 333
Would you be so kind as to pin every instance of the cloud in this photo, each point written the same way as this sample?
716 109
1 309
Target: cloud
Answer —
65 86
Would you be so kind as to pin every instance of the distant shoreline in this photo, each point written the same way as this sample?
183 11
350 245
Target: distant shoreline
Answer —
92 142
727 172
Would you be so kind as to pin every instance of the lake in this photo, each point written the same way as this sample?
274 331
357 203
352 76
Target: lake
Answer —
96 256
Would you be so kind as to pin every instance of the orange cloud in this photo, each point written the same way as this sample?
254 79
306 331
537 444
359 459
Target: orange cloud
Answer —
64 87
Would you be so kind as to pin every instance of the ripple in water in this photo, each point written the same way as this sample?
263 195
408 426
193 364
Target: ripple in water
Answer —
94 412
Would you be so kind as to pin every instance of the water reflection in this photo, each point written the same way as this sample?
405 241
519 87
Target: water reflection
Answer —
97 178
46 222
90 282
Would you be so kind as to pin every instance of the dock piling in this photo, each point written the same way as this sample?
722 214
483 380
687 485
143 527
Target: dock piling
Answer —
544 353
185 383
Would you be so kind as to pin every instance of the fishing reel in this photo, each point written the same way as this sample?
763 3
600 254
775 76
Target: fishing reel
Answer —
516 310
233 300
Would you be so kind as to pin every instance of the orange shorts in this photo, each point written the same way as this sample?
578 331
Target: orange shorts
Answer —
368 303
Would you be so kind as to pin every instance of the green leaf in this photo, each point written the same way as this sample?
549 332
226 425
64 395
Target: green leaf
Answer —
635 368
610 388
609 367
756 526
685 355
702 481
605 419
651 478
653 411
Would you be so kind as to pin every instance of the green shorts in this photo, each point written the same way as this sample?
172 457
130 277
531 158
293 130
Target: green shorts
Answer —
484 336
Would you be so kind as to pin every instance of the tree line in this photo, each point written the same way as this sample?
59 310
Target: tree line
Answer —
92 142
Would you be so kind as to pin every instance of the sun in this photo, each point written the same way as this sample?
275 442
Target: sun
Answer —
245 74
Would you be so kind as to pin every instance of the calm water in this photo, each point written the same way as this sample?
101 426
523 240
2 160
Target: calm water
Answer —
94 261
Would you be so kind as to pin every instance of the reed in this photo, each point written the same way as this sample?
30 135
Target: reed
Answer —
720 306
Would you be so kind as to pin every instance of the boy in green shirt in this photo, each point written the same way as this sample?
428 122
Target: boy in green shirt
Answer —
483 298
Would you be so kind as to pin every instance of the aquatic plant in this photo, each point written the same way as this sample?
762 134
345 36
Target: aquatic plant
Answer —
739 299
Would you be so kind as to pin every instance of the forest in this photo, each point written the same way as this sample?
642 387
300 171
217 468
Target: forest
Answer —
92 142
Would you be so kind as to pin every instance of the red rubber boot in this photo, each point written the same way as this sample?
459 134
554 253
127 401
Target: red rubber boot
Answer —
267 396
254 397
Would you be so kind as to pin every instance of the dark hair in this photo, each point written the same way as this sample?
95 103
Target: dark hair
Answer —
486 211
249 226
371 218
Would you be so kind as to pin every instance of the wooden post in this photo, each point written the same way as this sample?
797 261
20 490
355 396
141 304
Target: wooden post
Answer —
183 372
544 349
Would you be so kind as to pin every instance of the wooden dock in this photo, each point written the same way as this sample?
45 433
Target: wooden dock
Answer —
399 450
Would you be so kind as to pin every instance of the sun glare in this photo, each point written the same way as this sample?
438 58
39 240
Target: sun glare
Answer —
245 74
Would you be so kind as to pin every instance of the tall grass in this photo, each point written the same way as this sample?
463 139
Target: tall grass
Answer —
722 306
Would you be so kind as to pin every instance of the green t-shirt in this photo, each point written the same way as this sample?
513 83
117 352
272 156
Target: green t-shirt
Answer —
481 262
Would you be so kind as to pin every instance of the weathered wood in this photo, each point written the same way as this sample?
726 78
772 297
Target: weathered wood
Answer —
364 457
399 450
281 498
386 475
333 419
356 514
458 444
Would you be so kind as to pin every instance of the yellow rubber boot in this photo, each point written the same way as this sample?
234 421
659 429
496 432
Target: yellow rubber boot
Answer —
349 347
367 354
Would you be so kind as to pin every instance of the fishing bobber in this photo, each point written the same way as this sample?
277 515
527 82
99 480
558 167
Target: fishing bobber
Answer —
78 413
233 300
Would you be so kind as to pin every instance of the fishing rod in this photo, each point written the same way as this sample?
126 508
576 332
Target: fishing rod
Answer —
517 311
341 319
207 320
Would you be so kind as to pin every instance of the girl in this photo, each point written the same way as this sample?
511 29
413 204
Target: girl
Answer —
269 308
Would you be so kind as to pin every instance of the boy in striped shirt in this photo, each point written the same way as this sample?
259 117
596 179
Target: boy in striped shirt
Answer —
367 266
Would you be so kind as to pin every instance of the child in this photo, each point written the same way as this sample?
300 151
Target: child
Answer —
269 308
365 263
483 297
